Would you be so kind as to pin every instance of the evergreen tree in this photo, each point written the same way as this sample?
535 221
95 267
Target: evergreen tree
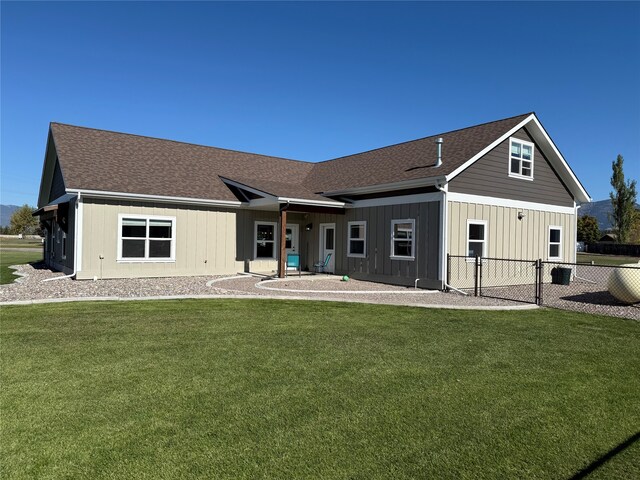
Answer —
623 200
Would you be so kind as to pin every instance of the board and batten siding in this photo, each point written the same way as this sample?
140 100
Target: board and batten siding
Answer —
489 176
205 241
378 265
507 238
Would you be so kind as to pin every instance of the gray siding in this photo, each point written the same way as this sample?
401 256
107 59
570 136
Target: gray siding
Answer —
57 183
489 176
377 265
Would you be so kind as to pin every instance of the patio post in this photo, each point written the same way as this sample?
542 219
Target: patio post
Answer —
282 258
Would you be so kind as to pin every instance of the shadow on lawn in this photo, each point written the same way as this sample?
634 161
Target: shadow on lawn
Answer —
606 457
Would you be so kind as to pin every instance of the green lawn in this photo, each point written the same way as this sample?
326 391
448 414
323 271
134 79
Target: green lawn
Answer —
8 257
287 389
605 259
14 242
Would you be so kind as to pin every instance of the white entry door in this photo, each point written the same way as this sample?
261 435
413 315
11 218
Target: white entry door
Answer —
328 245
291 238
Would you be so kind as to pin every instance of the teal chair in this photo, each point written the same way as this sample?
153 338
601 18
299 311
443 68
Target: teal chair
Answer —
293 262
320 266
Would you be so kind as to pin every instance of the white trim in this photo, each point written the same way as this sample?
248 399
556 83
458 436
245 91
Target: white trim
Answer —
386 187
444 235
362 223
549 243
321 246
567 169
255 240
303 201
158 198
506 202
533 150
378 202
146 259
413 239
79 223
484 241
488 148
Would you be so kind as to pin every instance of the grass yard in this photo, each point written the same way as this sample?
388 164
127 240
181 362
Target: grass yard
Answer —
605 259
8 257
15 242
289 389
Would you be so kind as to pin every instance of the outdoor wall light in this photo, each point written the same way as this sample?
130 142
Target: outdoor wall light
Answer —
308 227
521 215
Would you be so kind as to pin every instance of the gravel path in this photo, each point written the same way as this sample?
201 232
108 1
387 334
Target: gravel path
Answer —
31 287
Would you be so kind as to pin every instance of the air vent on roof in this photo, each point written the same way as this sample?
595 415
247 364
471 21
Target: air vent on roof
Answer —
439 143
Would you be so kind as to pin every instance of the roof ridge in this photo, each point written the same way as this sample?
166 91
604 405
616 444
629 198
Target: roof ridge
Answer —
424 138
179 142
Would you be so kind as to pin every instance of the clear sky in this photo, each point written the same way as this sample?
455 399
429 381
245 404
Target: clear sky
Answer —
314 81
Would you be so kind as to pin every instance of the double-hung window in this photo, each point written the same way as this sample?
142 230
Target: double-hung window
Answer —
265 240
477 238
357 239
555 243
520 159
403 239
146 238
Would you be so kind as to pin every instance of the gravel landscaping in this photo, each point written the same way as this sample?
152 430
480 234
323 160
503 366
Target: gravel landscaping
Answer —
31 287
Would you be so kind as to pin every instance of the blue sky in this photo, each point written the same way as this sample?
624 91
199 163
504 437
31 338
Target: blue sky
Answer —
313 81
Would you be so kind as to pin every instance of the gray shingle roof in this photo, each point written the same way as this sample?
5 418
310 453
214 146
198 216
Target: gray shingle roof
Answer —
108 161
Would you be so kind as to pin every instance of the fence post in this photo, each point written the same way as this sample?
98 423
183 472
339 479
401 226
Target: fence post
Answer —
537 280
448 271
540 282
479 276
476 278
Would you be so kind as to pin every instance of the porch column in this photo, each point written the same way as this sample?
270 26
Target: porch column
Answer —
282 259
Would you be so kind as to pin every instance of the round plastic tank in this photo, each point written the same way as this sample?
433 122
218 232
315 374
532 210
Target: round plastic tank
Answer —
624 283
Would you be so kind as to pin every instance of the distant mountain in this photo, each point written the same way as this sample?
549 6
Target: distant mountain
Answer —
601 210
5 214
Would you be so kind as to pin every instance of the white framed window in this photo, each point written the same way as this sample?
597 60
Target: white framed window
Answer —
477 238
264 245
64 245
357 239
403 239
521 159
555 243
146 238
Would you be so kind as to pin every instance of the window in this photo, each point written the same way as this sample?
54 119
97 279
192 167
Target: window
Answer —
476 238
402 239
146 238
265 238
520 159
356 241
555 243
64 245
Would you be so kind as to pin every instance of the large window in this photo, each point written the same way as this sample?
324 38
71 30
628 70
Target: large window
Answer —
146 238
356 242
265 240
403 239
520 159
555 243
476 238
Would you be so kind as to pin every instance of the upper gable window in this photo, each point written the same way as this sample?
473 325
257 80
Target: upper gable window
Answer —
520 159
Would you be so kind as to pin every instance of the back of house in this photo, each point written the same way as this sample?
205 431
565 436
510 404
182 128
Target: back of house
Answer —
117 205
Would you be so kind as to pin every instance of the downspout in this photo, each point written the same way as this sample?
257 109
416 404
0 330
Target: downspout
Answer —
575 233
444 238
75 244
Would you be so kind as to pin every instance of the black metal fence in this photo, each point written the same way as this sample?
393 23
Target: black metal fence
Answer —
606 289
